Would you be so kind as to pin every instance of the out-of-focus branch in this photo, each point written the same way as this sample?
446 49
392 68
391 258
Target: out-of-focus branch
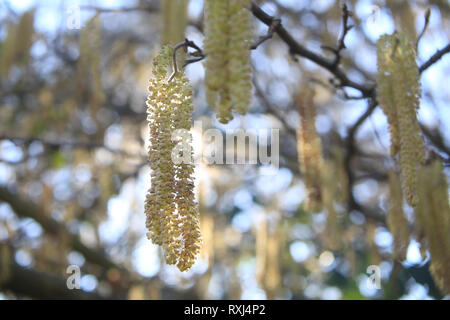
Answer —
89 145
346 14
36 284
425 26
434 58
436 139
296 48
24 207
273 26
350 152
150 8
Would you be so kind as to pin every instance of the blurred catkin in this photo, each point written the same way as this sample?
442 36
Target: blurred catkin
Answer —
396 220
433 219
330 193
228 32
399 93
309 149
268 245
171 210
89 64
16 46
174 21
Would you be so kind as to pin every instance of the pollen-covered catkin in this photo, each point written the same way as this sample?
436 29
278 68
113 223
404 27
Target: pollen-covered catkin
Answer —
396 220
399 94
309 149
433 220
171 210
228 32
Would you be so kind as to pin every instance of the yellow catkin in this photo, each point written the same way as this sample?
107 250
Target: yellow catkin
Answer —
399 93
396 220
433 220
228 32
171 210
309 150
174 21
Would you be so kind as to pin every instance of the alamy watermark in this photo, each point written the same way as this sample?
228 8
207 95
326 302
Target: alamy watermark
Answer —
234 146
74 280
374 279
73 21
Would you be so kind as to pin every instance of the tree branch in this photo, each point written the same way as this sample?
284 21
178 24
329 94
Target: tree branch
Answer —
341 42
434 58
89 145
36 284
296 48
26 208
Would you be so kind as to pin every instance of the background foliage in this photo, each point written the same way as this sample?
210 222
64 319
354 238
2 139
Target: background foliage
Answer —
74 172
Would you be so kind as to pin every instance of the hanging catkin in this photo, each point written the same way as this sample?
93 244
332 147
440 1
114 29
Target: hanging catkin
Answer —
228 32
174 21
309 149
171 210
433 219
399 94
396 220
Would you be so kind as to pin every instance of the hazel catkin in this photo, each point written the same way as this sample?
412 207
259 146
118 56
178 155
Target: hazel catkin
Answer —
170 207
228 32
399 94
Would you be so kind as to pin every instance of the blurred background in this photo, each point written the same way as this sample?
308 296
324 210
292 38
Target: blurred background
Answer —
74 171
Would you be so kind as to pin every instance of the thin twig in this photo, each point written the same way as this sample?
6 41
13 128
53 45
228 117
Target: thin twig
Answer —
272 28
434 58
295 48
198 54
341 42
425 26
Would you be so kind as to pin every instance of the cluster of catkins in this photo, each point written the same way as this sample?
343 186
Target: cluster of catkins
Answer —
423 187
171 210
228 32
399 94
